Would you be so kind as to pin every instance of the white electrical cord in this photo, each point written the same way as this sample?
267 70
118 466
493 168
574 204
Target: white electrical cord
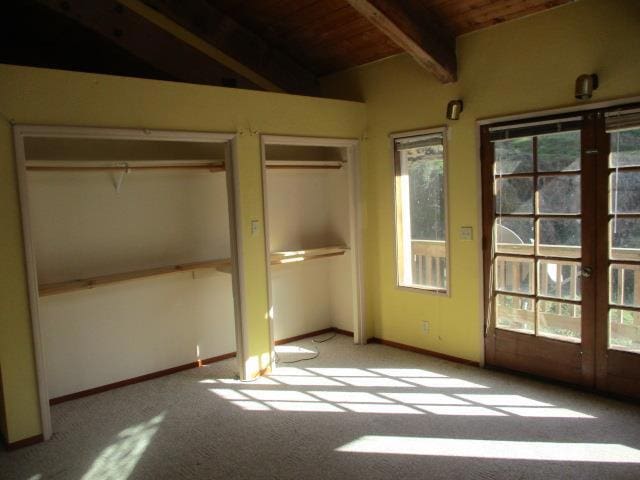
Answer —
316 352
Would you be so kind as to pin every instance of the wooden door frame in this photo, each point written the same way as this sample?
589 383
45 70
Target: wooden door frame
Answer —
582 371
600 285
610 368
23 131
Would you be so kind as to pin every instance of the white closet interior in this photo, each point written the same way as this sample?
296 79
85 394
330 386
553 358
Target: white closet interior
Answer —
311 212
132 248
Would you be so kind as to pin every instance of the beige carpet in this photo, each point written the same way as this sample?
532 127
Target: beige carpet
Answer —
370 412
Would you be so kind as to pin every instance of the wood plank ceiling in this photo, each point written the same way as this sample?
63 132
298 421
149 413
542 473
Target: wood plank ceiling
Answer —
279 45
327 36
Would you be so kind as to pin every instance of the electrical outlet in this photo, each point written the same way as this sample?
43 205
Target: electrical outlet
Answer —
425 327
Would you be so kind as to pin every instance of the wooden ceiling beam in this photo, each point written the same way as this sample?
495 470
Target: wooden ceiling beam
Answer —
238 44
435 52
148 42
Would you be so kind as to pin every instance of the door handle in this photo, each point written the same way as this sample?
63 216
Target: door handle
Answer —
586 272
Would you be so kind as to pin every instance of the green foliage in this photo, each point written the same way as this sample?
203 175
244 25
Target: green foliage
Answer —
426 193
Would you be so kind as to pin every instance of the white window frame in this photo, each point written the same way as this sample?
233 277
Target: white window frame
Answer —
400 194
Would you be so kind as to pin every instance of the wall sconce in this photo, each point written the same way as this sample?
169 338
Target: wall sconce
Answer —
585 85
454 107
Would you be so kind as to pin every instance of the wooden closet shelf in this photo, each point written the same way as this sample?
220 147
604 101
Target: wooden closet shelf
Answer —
98 281
213 167
295 256
92 282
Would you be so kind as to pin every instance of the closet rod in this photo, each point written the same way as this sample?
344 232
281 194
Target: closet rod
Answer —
305 167
53 168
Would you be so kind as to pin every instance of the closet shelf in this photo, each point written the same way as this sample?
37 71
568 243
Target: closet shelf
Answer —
295 256
277 258
92 282
212 167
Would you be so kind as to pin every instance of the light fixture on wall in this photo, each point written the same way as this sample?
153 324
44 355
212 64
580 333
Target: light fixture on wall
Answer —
585 85
454 107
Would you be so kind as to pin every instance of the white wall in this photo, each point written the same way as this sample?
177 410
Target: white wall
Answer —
120 331
82 227
299 204
301 295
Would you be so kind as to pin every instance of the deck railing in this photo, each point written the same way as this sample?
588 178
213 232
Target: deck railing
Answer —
429 263
560 280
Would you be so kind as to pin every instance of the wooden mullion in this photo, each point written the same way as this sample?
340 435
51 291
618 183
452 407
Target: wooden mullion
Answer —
516 215
630 263
627 168
601 269
549 298
559 174
623 215
548 216
516 175
488 218
559 259
625 307
517 255
588 235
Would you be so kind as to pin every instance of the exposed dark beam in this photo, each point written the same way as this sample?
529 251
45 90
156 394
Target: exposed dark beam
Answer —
148 42
224 33
435 52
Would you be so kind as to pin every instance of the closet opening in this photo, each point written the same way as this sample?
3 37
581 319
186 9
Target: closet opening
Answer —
130 240
312 219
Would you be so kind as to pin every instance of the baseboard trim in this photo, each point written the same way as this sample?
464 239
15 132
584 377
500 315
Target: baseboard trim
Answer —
25 442
314 334
343 332
187 366
141 378
304 335
423 351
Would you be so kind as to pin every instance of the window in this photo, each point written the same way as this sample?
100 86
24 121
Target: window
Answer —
421 210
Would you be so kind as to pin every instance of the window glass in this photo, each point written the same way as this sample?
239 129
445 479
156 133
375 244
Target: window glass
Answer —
421 212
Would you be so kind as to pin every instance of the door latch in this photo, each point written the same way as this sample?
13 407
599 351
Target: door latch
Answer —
586 272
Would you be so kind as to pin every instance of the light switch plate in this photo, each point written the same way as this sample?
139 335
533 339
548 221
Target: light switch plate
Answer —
466 233
255 225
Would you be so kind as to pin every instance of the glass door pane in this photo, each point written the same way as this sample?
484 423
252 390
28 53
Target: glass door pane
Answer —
624 240
538 234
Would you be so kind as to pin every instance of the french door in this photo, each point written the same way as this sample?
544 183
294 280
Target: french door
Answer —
561 239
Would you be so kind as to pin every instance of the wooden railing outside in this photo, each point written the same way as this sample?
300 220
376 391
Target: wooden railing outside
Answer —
429 263
514 273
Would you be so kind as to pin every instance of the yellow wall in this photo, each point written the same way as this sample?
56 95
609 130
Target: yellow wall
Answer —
50 97
521 66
